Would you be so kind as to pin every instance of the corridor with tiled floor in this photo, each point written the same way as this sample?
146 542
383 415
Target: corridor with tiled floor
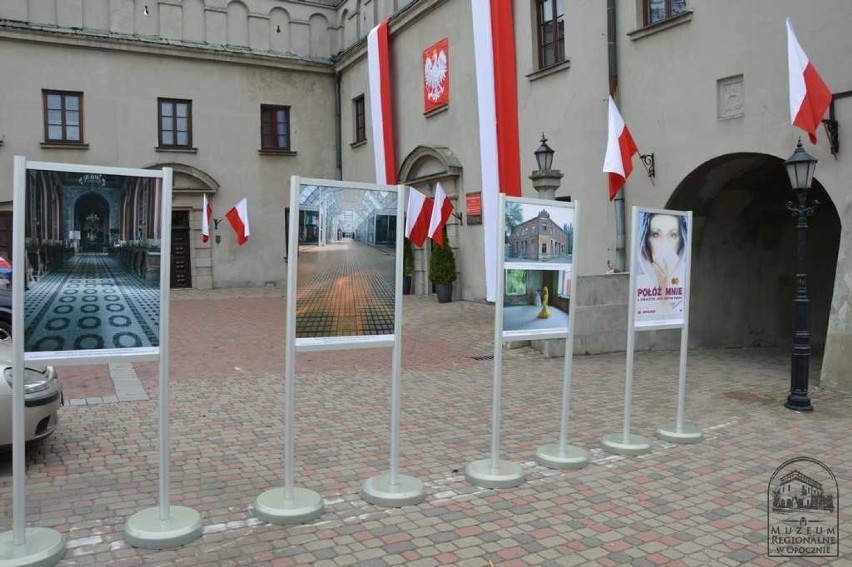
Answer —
91 303
345 288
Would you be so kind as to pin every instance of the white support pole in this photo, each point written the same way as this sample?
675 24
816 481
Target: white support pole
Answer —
625 443
494 473
394 489
22 546
564 456
19 276
165 283
289 504
165 526
682 431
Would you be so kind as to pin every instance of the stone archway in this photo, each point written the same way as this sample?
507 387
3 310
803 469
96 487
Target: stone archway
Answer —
743 275
189 253
423 168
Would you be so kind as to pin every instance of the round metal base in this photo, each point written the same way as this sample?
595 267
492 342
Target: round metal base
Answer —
44 547
551 457
689 433
506 475
306 505
634 445
145 529
378 490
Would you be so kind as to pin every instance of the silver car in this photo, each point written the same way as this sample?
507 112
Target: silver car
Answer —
42 398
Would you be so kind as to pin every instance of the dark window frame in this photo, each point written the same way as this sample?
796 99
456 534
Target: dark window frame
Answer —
63 110
359 113
668 11
272 110
556 25
174 103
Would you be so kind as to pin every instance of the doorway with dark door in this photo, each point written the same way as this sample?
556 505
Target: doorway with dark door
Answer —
181 266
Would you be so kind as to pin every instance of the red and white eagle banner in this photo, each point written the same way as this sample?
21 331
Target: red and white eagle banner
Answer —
378 68
809 95
497 99
441 211
436 76
418 214
620 149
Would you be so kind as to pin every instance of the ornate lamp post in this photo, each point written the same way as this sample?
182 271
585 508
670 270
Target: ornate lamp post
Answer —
545 180
800 168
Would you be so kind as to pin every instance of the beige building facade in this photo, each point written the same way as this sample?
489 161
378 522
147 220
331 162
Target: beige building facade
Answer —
702 85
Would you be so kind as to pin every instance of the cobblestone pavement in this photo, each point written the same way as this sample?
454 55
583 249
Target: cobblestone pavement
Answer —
701 504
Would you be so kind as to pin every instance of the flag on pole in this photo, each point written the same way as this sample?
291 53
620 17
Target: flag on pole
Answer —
809 95
417 217
620 149
441 211
238 217
206 215
378 69
497 102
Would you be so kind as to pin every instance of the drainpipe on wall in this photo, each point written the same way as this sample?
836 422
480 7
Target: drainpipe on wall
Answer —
612 51
338 136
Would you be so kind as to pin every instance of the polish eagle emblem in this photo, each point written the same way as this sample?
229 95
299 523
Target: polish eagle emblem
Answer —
435 74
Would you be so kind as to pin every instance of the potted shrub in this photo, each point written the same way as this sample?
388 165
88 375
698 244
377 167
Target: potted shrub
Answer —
442 270
407 265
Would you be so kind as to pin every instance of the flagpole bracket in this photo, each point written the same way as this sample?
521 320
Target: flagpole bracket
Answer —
648 160
457 216
832 130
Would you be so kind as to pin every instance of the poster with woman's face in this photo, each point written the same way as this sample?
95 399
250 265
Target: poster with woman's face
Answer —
660 261
92 244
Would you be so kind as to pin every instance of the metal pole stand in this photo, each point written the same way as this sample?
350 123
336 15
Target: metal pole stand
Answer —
165 525
394 490
42 547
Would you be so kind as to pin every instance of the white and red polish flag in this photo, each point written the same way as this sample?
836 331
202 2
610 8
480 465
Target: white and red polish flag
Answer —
378 69
238 217
497 101
809 95
441 211
417 216
620 149
206 215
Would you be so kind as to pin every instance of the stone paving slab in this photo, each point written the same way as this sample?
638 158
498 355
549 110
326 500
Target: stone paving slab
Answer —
701 504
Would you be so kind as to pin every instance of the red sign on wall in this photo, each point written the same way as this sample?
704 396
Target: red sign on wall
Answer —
436 75
473 208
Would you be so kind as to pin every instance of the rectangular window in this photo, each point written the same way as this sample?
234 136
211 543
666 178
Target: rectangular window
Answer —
360 119
174 118
516 282
63 117
659 10
550 15
274 127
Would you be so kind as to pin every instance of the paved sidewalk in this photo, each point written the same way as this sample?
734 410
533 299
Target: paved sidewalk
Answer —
699 504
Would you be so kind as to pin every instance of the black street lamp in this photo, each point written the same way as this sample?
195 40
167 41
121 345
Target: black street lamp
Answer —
800 168
544 155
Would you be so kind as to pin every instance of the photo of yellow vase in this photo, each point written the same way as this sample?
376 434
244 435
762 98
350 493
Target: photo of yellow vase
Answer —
545 312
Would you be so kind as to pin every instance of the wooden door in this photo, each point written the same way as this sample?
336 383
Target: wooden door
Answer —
181 270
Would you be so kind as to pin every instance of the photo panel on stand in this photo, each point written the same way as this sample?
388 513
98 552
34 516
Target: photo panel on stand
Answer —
93 263
346 263
538 267
660 260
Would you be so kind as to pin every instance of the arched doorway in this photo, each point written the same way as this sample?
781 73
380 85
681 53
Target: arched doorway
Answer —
192 261
743 275
91 218
423 168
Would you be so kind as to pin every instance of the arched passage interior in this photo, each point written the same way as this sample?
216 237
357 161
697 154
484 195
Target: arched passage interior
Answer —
744 253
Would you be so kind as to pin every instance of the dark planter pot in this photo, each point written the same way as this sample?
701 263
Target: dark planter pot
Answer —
444 291
406 285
